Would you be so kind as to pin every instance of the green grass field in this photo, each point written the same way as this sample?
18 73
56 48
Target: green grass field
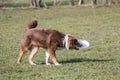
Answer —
100 26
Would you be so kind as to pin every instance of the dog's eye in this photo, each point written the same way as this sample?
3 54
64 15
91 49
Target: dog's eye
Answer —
75 42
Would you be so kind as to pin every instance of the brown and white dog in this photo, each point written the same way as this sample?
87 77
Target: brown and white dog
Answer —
34 38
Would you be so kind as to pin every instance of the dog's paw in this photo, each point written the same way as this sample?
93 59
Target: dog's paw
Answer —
33 63
48 64
18 62
57 64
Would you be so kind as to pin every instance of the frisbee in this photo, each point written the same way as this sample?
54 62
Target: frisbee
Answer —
84 43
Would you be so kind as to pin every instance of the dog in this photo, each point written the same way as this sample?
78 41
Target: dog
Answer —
48 39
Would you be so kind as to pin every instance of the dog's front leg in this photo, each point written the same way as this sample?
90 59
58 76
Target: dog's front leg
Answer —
47 58
53 56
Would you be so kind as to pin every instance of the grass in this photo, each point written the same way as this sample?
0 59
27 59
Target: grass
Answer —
100 26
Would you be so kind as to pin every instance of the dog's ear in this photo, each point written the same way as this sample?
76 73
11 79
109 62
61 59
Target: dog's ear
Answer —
70 41
73 43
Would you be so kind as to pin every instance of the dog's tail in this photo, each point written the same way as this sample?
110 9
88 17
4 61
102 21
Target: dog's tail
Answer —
32 24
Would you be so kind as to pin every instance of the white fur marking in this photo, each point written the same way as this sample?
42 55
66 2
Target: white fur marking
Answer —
65 41
47 58
57 64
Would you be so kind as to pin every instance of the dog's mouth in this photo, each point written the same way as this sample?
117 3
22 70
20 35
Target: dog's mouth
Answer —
78 46
83 44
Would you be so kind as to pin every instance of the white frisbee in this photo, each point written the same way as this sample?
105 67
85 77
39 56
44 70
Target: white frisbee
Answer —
84 43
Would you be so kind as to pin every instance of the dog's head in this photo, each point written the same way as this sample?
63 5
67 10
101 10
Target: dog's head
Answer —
71 42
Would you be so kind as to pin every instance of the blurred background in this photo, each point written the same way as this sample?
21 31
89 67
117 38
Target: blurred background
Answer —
46 3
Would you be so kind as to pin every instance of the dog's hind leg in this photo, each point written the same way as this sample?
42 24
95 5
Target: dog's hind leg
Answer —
22 52
33 52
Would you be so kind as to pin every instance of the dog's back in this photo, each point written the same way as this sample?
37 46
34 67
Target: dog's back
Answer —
39 37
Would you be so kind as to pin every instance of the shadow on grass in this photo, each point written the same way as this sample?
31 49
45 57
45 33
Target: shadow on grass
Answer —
85 60
78 60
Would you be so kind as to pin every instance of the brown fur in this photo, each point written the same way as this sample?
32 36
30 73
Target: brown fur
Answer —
34 38
32 24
